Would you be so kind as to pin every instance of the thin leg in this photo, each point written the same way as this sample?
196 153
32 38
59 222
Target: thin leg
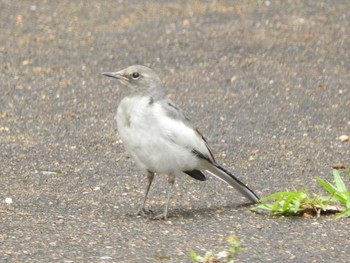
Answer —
150 177
171 182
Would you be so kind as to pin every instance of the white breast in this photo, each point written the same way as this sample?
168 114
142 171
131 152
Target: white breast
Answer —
155 141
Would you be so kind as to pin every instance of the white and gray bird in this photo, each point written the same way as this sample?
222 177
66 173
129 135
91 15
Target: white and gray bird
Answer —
159 137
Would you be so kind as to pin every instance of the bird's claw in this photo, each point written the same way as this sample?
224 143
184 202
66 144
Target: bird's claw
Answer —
160 217
144 212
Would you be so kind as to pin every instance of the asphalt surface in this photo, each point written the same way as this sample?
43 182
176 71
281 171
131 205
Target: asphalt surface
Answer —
266 82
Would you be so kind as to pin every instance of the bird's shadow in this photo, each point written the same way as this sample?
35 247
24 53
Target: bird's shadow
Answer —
194 213
201 212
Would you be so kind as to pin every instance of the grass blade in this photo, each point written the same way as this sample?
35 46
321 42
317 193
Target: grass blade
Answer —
339 182
278 195
327 185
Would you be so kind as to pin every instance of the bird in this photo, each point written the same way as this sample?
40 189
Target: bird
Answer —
160 138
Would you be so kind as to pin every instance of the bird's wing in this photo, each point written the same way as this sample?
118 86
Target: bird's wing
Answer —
179 129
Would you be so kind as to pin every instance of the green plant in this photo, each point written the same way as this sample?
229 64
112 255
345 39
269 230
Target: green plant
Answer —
226 256
300 202
338 192
234 248
200 259
291 203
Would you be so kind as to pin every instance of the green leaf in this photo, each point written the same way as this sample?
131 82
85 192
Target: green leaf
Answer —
327 185
339 182
348 202
289 205
276 204
264 206
194 256
341 197
277 195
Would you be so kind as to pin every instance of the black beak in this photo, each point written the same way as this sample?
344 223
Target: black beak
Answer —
115 75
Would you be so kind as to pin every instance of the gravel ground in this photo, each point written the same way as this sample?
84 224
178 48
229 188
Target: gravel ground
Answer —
266 82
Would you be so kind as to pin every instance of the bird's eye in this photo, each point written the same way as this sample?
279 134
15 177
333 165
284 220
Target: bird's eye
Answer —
135 75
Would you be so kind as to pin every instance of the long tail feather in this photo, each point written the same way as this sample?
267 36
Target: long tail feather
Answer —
229 178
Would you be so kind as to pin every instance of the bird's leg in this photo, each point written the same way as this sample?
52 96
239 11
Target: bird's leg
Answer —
171 182
150 177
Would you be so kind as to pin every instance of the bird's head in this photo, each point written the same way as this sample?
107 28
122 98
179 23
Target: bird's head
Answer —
138 78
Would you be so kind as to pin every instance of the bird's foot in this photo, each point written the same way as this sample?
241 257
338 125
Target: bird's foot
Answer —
144 212
160 217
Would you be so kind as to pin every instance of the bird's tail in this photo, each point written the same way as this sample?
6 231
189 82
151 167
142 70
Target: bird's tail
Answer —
229 178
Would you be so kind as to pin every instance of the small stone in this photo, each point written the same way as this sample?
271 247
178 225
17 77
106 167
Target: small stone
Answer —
8 200
185 22
222 255
106 258
344 138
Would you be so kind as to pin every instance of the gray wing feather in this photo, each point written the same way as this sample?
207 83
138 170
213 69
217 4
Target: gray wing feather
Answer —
173 111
